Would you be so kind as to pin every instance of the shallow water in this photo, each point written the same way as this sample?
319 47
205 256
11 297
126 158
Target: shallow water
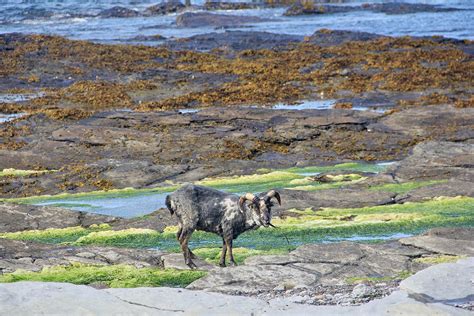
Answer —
130 206
18 97
142 203
10 117
72 19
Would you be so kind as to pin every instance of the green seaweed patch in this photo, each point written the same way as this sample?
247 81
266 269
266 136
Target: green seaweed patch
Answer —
405 187
55 235
358 224
11 172
114 276
212 255
115 193
400 276
438 259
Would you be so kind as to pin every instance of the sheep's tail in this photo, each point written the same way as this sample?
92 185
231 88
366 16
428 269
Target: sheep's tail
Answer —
168 204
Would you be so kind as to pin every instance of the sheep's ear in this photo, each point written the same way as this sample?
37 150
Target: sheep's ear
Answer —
274 194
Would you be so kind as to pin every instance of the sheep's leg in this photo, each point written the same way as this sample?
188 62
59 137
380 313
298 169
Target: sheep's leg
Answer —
223 254
178 234
184 240
228 242
191 254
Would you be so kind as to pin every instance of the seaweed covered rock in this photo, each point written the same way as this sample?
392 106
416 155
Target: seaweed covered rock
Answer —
324 37
234 40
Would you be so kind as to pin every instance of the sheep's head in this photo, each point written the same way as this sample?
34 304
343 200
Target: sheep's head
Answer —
261 206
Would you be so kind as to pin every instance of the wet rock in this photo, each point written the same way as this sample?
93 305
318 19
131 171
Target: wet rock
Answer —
118 12
387 8
222 5
164 7
405 8
203 19
301 9
17 217
234 41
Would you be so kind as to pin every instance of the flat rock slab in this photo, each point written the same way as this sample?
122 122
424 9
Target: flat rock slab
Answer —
444 282
251 279
32 256
441 245
16 217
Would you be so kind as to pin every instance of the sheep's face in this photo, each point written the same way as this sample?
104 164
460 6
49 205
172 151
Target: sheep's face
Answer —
261 207
265 210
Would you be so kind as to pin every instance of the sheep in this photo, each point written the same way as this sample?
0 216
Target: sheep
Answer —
227 215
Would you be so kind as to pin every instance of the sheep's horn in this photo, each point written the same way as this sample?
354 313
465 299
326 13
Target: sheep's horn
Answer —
247 197
274 194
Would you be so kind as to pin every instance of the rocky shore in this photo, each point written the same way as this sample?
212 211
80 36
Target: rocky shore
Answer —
368 138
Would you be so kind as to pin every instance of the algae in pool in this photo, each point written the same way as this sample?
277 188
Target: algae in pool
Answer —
367 224
138 202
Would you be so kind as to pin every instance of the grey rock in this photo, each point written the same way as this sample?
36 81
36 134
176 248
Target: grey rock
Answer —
16 255
441 245
270 259
443 282
361 290
344 252
250 279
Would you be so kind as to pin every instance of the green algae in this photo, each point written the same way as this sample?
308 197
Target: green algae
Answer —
439 259
11 172
405 187
55 235
400 276
115 276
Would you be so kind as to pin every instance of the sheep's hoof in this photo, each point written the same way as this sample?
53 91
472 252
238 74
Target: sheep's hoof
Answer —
191 265
222 264
232 264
